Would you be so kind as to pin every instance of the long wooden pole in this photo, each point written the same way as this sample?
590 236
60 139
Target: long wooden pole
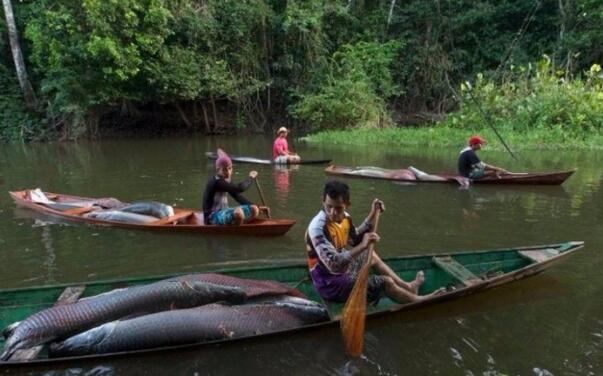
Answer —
354 311
488 119
257 184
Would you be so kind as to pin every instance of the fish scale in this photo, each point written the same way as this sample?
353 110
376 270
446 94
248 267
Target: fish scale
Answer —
178 327
66 320
252 288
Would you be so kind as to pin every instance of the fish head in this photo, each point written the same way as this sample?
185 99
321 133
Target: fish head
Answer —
85 342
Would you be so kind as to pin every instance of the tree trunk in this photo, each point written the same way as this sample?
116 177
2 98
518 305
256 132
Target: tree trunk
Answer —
391 12
215 112
205 118
183 116
28 93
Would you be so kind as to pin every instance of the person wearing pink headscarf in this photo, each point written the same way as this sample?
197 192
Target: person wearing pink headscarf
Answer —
215 200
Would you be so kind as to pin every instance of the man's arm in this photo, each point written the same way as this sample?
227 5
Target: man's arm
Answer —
494 168
335 261
369 222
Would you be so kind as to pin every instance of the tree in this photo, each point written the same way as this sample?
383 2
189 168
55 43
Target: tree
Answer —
26 88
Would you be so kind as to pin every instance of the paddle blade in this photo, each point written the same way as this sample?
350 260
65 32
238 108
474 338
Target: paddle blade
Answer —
353 316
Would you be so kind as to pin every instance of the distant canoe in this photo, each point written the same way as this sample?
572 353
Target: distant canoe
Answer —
74 208
528 178
461 274
242 159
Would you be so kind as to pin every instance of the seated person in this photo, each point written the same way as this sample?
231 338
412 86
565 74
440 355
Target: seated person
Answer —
280 149
469 164
215 201
336 253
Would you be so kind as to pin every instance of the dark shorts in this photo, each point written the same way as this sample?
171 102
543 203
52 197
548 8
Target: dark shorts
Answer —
226 216
477 173
337 287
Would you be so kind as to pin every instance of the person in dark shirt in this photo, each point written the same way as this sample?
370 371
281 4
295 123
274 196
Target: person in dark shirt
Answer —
469 164
215 201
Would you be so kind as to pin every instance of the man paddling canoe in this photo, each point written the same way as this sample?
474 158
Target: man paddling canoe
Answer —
215 201
469 164
280 149
336 252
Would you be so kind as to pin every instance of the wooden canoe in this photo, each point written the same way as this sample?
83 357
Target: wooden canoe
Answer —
186 220
528 178
461 273
242 159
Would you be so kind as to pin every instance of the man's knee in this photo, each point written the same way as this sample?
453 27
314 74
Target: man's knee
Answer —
255 211
389 282
238 214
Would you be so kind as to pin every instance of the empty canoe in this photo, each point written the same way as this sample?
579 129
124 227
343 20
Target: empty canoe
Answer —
242 159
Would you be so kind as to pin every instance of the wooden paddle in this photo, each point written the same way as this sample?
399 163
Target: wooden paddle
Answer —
257 184
354 311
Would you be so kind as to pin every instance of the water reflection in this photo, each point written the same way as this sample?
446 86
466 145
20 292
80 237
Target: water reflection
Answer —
550 323
281 176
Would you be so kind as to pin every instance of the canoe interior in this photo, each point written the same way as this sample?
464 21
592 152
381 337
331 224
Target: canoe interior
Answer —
489 266
252 160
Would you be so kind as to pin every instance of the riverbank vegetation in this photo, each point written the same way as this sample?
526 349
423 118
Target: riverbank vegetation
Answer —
219 66
535 107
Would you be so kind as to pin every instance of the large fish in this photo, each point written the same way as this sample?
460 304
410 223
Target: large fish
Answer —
66 320
120 216
193 325
253 287
152 208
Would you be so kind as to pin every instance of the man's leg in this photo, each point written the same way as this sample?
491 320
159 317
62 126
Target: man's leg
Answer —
383 269
245 213
239 216
401 295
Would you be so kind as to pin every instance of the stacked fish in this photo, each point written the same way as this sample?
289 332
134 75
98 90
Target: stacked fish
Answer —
138 212
176 311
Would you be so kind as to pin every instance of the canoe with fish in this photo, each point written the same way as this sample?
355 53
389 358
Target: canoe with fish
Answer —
282 294
413 175
142 215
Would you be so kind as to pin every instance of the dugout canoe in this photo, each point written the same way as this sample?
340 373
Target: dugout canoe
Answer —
461 273
527 178
242 159
74 208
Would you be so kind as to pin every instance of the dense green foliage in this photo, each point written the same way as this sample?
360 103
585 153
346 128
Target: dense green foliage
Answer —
535 107
320 64
537 100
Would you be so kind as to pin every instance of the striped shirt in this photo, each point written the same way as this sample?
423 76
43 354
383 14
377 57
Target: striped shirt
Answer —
328 242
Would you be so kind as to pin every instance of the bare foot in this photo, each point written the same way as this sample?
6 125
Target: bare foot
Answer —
416 284
437 292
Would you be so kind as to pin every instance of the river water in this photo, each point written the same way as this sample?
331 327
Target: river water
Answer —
549 324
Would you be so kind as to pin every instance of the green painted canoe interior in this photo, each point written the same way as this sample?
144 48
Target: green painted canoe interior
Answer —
16 305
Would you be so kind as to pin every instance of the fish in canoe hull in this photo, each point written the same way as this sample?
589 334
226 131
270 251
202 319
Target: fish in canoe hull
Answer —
120 216
179 327
253 288
67 320
152 208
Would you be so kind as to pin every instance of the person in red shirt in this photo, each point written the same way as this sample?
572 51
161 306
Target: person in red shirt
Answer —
280 149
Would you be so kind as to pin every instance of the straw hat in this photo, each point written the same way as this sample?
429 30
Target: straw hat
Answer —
282 130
